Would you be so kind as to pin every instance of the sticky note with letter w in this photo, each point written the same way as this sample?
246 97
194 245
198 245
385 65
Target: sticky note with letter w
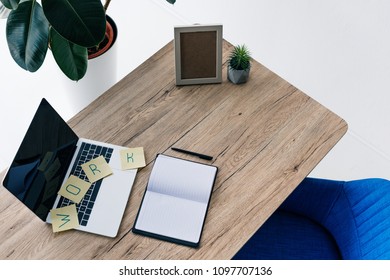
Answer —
74 189
64 218
96 169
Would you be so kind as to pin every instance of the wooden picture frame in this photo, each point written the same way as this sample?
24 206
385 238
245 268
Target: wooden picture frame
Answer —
198 54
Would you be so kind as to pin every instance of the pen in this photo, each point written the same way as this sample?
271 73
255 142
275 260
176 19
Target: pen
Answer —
192 153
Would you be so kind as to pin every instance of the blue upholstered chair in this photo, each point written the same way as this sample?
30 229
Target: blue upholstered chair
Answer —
324 219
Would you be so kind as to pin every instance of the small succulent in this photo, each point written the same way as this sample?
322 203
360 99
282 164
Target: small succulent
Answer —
240 58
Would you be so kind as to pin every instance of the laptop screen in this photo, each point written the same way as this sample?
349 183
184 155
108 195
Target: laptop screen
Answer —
42 160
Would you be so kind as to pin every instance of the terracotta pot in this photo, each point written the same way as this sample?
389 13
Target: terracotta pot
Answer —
108 42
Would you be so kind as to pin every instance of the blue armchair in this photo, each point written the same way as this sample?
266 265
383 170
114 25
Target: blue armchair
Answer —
325 219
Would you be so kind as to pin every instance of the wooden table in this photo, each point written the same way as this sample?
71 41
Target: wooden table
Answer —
265 137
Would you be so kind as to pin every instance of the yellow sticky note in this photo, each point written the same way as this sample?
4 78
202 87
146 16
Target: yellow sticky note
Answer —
132 158
74 189
96 169
64 218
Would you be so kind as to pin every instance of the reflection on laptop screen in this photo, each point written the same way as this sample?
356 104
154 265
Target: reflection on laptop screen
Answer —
42 160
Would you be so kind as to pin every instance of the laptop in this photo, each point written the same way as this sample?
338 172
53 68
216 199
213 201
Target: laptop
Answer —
49 153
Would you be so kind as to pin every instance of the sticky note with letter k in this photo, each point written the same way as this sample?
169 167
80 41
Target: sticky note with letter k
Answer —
132 158
74 189
96 169
64 218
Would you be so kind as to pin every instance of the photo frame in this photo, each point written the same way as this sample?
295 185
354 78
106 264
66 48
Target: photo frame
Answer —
198 54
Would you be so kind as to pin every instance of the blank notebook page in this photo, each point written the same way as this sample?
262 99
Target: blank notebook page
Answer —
176 198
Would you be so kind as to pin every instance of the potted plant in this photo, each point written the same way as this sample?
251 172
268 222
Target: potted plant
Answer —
239 64
69 27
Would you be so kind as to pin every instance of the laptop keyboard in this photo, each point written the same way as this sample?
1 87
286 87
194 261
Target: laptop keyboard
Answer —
86 153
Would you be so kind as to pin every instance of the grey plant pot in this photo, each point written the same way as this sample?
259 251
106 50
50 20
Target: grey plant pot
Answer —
238 76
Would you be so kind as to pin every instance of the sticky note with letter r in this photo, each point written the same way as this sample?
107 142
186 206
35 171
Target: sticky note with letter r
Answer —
96 169
132 158
64 218
74 189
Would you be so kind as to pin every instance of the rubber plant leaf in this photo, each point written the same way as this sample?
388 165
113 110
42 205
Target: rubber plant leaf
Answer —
10 4
83 22
27 33
71 58
171 1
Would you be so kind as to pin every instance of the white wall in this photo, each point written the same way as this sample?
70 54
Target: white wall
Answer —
338 52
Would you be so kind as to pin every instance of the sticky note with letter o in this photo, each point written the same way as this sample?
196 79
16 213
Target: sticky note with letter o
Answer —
96 169
74 189
132 158
64 218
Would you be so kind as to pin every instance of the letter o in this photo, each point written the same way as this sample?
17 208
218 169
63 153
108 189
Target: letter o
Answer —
73 189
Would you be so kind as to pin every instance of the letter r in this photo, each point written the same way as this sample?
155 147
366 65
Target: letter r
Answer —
94 168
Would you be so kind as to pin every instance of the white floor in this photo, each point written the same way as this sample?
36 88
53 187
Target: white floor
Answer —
338 52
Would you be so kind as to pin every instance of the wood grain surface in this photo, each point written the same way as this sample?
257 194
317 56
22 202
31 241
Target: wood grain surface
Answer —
265 136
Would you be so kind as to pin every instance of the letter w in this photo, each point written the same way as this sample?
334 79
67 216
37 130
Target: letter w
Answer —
65 218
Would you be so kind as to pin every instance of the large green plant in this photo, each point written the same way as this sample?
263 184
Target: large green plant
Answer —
69 27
